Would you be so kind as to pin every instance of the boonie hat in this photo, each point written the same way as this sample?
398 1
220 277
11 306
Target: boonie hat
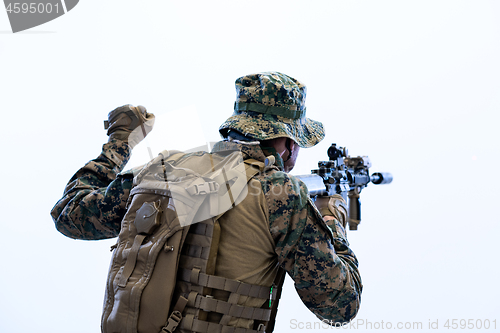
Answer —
270 105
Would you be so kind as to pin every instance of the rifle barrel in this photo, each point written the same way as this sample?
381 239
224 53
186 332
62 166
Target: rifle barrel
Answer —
381 178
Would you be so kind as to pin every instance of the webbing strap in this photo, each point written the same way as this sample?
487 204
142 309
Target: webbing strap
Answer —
200 326
278 286
233 299
202 228
175 317
233 310
131 260
194 251
228 187
214 248
199 240
221 283
251 162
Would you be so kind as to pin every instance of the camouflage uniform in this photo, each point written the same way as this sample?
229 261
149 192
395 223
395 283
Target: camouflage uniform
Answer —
314 253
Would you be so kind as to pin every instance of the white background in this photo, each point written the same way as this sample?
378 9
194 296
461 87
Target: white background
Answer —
415 85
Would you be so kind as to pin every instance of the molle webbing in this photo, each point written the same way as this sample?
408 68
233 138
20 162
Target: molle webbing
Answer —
200 326
211 304
221 283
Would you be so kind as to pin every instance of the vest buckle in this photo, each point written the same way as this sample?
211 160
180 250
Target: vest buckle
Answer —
172 323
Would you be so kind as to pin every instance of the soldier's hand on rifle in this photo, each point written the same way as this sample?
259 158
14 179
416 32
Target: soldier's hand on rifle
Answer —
129 123
334 206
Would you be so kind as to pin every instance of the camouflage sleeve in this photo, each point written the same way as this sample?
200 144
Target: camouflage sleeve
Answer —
315 254
94 200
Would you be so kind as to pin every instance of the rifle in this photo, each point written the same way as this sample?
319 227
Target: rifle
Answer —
344 175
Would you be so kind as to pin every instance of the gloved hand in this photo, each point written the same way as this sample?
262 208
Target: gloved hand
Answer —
334 206
129 123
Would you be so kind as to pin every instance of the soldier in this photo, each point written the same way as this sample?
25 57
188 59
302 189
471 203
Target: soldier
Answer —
277 226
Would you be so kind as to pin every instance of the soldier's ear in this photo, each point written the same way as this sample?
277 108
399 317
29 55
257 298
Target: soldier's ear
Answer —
291 145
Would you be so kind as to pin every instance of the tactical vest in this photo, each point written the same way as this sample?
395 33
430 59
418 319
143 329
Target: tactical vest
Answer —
161 277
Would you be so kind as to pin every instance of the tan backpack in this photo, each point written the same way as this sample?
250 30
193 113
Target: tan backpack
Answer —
161 274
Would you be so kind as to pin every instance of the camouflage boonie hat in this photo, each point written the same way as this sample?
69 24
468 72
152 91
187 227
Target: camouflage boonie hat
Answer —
270 105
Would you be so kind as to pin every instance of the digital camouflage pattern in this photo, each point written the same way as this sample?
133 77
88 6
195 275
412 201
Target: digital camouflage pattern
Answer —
272 89
94 200
315 253
271 105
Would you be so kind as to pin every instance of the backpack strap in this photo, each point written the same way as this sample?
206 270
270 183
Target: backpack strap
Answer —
175 317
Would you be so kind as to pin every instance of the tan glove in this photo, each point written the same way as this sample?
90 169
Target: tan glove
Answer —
129 123
334 206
